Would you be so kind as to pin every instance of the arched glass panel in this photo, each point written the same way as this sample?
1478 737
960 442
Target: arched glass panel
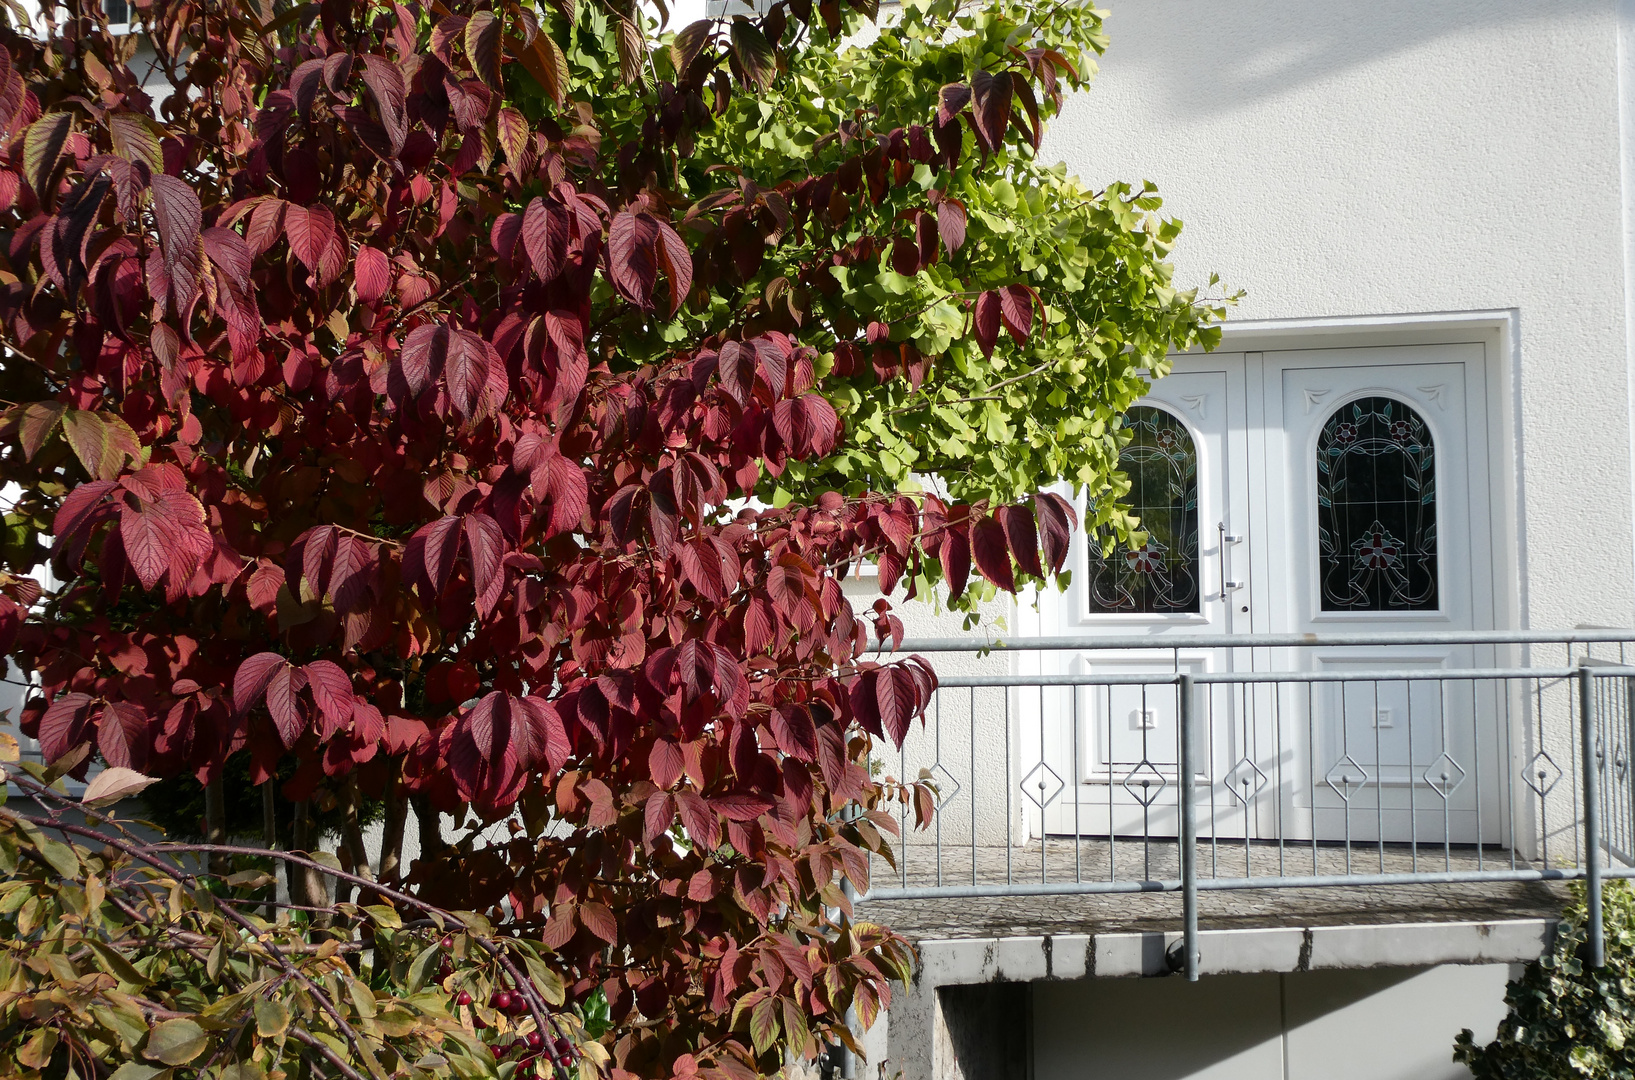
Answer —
1376 509
1160 576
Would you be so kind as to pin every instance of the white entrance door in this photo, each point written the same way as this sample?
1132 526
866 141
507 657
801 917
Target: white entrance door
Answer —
1117 747
1331 491
1376 511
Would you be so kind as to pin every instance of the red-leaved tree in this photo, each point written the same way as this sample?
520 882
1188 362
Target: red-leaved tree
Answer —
480 406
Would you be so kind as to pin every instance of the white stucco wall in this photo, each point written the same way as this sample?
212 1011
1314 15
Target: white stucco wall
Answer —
1339 159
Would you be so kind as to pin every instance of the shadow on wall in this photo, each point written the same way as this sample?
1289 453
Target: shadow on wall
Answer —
1374 1024
1236 54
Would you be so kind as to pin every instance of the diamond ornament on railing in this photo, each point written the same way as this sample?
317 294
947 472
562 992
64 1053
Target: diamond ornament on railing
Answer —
1541 773
1244 780
1444 775
947 785
1346 775
1041 785
1145 782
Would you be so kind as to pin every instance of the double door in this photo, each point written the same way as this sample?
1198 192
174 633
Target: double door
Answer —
1332 491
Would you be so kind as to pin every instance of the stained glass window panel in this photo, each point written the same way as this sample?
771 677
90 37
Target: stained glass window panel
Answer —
1376 509
1160 576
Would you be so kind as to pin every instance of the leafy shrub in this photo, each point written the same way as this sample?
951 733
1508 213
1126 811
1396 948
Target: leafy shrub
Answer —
1568 1021
117 959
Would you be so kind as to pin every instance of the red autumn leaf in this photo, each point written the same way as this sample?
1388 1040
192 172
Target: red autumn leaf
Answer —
797 736
1056 523
905 256
664 763
677 263
986 321
541 735
65 725
429 556
482 40
741 807
485 548
1016 311
284 703
372 275
1022 537
384 83
422 357
545 236
332 692
759 624
178 215
657 814
122 736
895 697
1033 131
735 367
311 231
633 256
162 526
699 820
990 108
951 223
250 682
807 425
991 553
599 920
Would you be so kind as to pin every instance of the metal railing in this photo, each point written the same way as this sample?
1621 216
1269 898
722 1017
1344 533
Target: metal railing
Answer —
1192 764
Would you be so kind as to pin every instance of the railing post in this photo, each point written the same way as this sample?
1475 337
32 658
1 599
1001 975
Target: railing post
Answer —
1189 828
1592 817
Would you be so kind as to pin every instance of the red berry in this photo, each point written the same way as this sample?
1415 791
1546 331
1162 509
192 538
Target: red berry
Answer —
563 1048
519 1005
447 942
536 1041
500 1000
462 998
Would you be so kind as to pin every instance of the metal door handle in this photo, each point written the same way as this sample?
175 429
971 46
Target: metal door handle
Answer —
1227 584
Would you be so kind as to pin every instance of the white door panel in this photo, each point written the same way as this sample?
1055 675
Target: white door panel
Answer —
1119 745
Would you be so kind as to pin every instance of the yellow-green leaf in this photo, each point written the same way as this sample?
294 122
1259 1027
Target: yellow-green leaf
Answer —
135 1070
385 917
42 149
36 1053
114 963
176 1042
103 444
420 971
114 783
272 1017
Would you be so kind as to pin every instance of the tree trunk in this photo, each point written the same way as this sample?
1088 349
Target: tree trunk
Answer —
215 824
352 848
307 886
431 827
391 840
269 836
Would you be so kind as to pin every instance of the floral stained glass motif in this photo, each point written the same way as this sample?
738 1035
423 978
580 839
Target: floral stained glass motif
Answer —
1161 575
1376 509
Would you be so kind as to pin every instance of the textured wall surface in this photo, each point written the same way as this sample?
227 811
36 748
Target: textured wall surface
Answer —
1346 159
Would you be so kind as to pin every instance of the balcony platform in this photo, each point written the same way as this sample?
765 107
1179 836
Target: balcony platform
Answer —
944 918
